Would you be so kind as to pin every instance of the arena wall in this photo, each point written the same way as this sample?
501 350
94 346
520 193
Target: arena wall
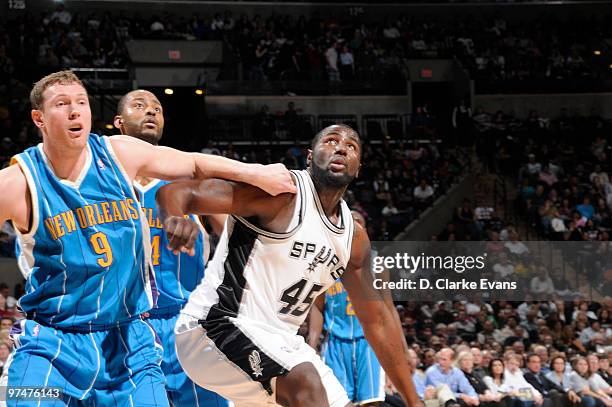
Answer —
548 105
315 105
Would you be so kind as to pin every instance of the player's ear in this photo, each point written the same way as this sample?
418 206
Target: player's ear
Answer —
309 157
38 118
118 122
358 171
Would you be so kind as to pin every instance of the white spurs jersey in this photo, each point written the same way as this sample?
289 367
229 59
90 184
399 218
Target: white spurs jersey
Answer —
273 278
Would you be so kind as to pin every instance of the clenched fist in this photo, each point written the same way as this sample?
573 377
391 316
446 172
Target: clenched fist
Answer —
182 233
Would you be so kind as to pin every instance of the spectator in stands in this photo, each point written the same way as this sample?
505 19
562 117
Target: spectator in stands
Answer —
465 362
423 193
462 123
515 246
595 328
429 394
533 167
605 370
496 383
549 390
347 64
5 351
586 210
503 267
6 323
331 57
560 376
516 383
542 285
5 293
597 383
389 209
465 219
443 373
579 380
61 15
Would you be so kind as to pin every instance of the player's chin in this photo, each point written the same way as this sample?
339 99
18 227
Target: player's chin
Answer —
339 178
150 136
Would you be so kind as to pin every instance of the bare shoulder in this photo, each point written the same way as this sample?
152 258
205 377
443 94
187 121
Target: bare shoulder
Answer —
130 152
12 180
14 200
361 244
123 145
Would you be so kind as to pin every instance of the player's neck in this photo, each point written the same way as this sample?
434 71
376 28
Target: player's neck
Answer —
66 163
330 199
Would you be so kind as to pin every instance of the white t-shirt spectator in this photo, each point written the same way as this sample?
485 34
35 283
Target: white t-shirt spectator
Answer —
517 248
391 32
515 381
542 286
504 270
331 55
423 193
558 225
10 301
62 16
598 383
483 212
157 26
389 210
419 45
534 168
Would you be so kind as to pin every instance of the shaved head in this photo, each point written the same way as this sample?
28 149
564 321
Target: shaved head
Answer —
130 95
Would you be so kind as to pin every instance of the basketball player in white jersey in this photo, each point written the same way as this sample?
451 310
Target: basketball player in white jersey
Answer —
275 256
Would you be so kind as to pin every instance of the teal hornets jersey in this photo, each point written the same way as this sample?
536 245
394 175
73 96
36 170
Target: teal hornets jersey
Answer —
339 317
176 276
86 256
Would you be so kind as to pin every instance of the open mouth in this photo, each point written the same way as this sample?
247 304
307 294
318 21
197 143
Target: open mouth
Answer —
76 129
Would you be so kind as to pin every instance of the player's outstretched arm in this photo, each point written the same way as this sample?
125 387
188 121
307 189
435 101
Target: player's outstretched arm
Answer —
216 196
144 159
315 321
15 201
380 325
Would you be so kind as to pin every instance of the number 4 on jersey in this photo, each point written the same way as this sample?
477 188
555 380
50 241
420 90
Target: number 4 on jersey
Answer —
291 296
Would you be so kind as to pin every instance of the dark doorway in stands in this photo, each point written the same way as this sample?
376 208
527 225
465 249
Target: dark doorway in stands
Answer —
432 105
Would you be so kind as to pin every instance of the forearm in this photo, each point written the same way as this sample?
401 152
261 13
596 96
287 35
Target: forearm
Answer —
174 199
214 166
386 338
315 327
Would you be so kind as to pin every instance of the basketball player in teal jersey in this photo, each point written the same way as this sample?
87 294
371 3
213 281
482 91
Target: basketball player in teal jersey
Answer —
83 247
141 115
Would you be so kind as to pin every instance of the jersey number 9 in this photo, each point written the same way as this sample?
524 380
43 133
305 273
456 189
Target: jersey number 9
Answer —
100 244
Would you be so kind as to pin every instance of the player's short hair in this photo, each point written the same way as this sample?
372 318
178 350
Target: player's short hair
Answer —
61 77
325 131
